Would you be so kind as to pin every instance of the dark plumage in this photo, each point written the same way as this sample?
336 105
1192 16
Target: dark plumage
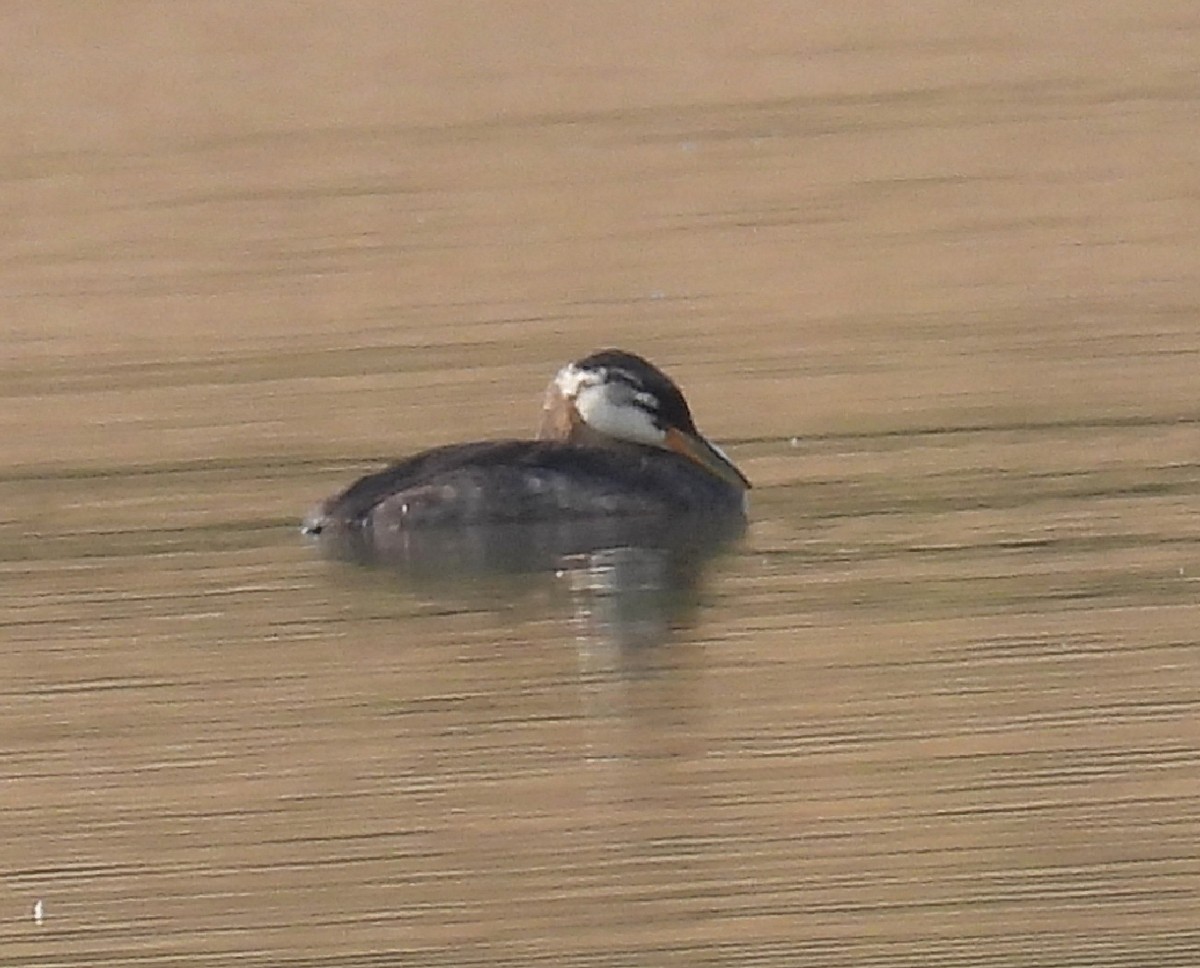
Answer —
617 439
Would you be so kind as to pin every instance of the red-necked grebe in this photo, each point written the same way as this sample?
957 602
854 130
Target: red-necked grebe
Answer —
616 439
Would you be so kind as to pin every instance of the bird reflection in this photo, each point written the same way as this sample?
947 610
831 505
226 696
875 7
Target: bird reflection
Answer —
629 583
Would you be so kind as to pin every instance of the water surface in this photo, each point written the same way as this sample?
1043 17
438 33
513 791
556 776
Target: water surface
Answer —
930 281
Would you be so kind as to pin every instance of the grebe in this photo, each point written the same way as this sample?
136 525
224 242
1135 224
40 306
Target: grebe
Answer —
616 440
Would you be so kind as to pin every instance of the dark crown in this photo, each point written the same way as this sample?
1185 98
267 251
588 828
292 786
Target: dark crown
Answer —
669 408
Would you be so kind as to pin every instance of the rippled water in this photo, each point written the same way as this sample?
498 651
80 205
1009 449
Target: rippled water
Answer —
930 281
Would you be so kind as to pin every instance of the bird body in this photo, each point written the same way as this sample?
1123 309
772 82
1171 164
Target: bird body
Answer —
616 440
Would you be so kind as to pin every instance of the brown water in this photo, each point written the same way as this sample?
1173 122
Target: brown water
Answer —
928 272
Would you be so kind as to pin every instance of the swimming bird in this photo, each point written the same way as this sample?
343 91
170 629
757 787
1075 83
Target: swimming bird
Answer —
616 440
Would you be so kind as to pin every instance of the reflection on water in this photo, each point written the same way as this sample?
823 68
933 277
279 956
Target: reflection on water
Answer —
634 579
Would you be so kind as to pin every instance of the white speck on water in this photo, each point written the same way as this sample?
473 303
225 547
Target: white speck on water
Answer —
39 912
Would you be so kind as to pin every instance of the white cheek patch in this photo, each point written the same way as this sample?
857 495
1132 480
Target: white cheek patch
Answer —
621 420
